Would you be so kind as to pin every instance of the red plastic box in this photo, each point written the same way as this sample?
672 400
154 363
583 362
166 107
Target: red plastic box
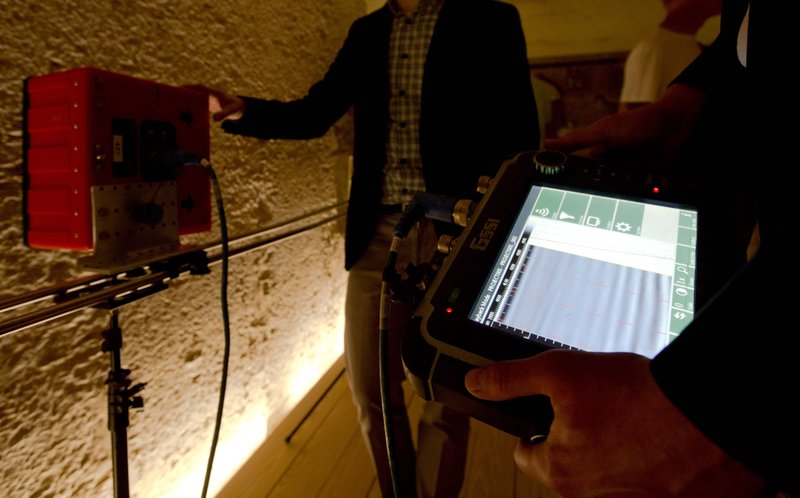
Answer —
86 128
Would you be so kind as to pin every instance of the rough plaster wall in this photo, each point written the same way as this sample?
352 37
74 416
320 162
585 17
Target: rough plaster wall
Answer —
285 300
564 28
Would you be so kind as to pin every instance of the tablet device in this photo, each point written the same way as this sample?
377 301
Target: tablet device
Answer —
561 252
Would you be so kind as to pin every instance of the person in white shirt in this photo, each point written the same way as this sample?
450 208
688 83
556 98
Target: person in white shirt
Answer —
666 51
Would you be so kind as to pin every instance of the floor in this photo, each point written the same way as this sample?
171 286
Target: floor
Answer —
326 456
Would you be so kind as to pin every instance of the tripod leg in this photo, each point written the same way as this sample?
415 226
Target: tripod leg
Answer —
117 383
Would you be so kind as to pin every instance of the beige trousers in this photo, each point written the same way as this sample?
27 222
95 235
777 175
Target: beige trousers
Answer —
437 468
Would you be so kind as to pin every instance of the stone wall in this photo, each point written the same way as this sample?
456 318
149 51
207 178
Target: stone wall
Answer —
285 299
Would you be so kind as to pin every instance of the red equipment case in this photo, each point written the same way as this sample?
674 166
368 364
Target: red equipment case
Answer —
87 128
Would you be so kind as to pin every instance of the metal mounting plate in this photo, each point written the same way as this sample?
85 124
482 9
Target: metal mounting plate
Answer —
121 237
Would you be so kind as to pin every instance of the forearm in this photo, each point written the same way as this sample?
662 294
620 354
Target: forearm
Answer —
678 110
312 115
653 132
268 119
731 373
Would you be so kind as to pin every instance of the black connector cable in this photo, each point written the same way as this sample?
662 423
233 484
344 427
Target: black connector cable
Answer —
389 274
223 227
423 205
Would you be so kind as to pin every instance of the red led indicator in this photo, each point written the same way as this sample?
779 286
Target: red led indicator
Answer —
656 190
449 310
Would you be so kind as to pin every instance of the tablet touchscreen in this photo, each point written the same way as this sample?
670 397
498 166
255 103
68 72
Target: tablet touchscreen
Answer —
593 272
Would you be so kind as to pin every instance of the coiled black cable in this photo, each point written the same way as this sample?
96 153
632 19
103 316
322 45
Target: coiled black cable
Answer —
223 227
383 363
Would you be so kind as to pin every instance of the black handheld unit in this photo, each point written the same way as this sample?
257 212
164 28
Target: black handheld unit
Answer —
561 252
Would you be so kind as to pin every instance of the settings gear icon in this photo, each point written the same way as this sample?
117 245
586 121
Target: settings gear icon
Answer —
622 226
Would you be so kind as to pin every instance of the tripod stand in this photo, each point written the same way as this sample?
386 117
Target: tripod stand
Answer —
121 397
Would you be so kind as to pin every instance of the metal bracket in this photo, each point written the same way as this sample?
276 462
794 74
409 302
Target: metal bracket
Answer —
132 224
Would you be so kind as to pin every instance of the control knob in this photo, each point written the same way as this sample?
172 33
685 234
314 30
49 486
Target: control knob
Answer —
549 162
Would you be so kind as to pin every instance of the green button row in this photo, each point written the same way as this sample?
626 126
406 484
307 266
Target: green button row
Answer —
589 210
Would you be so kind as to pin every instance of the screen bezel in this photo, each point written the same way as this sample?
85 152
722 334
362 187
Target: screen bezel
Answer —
451 298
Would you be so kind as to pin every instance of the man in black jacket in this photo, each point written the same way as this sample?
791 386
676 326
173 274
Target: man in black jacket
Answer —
715 413
441 94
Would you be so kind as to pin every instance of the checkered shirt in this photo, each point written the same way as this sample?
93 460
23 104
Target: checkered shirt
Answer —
408 49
